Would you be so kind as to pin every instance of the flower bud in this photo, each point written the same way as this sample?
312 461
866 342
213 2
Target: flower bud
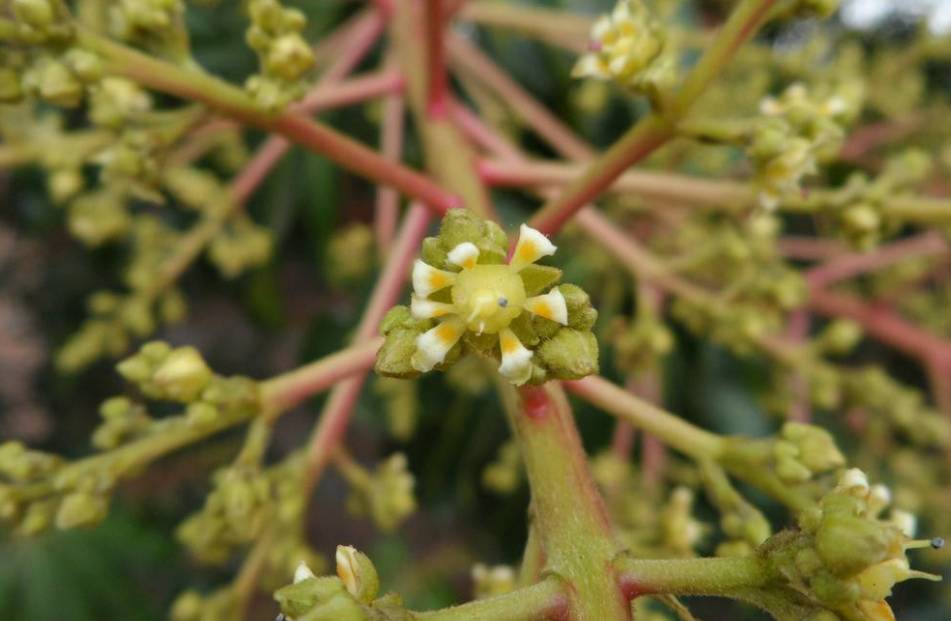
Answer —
81 509
358 574
183 375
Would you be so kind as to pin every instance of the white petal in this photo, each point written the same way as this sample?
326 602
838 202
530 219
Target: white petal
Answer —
433 345
550 306
427 279
422 308
516 358
464 255
303 572
853 478
531 246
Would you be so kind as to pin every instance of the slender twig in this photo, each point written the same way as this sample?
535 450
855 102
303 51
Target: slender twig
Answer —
437 92
234 102
848 266
386 209
336 413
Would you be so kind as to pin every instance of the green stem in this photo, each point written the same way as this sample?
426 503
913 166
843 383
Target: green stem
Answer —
544 600
674 431
568 513
695 576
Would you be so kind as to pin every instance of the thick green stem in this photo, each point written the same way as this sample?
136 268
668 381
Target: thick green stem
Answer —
695 576
544 600
568 513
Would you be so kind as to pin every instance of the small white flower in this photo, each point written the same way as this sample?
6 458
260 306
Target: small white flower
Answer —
484 299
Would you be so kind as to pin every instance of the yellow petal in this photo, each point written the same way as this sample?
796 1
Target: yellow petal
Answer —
427 279
516 358
876 610
433 345
532 245
464 255
550 306
422 308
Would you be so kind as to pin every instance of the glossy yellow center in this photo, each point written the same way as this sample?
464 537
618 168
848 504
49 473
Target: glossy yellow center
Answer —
488 297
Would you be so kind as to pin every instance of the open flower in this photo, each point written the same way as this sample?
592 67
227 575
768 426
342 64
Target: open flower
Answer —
485 299
471 295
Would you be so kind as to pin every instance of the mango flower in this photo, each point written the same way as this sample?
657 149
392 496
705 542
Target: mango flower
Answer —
471 295
485 300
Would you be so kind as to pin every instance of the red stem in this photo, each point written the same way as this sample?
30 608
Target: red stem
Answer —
852 265
391 146
437 87
336 413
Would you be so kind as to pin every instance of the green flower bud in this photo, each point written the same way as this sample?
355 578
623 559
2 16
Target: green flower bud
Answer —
297 599
183 375
358 574
816 447
401 332
87 66
81 509
56 84
37 13
201 414
38 518
570 354
11 90
289 57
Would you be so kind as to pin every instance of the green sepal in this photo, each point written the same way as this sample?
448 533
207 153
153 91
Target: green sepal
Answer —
539 278
298 598
401 330
581 314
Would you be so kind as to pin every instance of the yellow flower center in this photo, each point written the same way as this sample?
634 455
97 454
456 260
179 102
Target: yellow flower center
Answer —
488 297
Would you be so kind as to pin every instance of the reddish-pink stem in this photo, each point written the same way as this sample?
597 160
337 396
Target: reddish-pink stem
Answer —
391 146
810 248
329 96
481 135
537 116
437 86
797 332
359 40
852 265
882 323
336 413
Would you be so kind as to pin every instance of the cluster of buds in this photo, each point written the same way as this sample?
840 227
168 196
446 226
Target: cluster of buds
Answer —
641 342
351 595
803 451
400 403
219 605
36 22
845 558
797 131
680 531
384 495
275 34
504 475
743 524
73 497
487 306
627 46
147 21
115 320
874 391
123 420
351 254
233 515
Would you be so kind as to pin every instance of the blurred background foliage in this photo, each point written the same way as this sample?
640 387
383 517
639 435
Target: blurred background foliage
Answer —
294 310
